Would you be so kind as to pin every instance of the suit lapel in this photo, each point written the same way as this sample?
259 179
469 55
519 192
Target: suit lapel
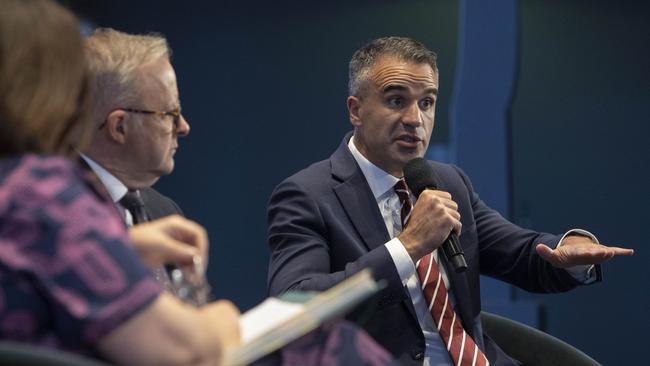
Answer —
360 204
356 198
150 205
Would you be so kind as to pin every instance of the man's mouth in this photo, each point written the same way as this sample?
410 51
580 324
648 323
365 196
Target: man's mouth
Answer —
409 139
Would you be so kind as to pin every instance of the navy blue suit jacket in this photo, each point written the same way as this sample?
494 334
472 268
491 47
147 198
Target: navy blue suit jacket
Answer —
325 225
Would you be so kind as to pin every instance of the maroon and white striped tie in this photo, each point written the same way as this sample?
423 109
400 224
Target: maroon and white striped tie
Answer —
461 346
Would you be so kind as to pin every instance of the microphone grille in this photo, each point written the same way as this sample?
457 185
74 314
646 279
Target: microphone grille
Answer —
419 176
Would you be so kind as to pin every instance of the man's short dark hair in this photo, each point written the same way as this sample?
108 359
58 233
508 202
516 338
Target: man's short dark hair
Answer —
402 48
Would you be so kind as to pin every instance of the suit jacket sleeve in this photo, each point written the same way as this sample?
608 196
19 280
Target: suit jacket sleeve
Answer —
507 251
301 244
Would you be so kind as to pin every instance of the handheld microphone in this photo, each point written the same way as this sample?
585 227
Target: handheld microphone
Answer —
419 176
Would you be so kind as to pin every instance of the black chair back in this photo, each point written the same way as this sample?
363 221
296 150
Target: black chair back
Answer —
531 346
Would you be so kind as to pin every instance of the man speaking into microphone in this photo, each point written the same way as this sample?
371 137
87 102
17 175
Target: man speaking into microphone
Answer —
355 210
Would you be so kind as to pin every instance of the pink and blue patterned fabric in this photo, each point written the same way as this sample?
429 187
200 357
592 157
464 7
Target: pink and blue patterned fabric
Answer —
68 273
337 343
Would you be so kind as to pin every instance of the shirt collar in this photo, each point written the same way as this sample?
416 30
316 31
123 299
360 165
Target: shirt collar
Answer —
115 188
379 180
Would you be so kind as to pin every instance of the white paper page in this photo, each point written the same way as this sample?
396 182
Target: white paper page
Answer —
270 313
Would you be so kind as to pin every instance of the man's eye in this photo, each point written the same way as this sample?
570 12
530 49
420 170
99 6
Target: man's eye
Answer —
426 104
394 101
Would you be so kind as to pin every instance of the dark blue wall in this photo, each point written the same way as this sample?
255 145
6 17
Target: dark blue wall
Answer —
581 158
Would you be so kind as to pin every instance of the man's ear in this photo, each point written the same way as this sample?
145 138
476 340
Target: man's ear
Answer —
116 126
354 105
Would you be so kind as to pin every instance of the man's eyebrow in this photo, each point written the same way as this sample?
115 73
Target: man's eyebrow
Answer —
390 88
393 87
431 90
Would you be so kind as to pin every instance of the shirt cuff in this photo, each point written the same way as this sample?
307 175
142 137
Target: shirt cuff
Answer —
582 273
401 258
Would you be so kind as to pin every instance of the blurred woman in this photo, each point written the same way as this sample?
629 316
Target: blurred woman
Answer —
69 276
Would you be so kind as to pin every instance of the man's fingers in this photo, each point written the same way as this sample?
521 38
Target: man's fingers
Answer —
439 194
449 203
454 214
598 250
545 252
581 254
458 226
178 252
621 251
194 232
444 198
190 233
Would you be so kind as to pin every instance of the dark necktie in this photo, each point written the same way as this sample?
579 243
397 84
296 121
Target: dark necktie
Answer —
461 346
132 201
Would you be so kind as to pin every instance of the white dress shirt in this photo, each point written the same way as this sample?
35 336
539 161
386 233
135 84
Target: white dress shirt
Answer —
381 184
115 188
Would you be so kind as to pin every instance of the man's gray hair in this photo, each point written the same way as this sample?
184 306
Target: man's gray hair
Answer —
402 48
114 59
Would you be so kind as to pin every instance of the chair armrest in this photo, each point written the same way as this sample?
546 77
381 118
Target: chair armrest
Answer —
531 346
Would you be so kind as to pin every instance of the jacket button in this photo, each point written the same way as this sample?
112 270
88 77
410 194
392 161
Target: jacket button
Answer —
417 355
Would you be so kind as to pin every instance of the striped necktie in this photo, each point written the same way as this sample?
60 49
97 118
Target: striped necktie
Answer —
461 346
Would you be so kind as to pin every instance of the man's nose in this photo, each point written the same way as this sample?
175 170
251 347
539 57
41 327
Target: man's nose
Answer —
183 128
412 115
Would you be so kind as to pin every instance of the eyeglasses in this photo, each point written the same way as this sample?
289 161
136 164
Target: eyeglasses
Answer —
176 115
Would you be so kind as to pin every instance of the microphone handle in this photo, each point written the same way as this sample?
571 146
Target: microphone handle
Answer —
451 248
454 253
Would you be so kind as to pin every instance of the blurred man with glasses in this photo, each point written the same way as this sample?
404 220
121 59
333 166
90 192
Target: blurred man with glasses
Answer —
137 108
138 117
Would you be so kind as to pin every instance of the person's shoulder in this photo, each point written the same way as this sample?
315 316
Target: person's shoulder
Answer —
318 170
439 166
40 165
315 175
324 173
38 176
445 169
152 194
48 191
158 205
314 181
450 175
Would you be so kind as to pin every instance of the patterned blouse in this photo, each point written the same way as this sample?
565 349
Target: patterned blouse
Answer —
68 273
